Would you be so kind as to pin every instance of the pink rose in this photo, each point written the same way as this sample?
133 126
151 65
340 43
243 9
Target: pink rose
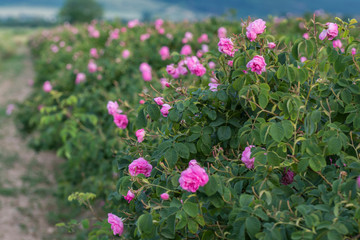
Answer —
164 196
172 70
287 177
144 67
245 157
164 52
189 36
165 109
140 134
54 48
353 51
213 87
47 86
114 34
182 69
147 76
133 23
126 54
226 46
222 32
140 166
303 59
331 32
186 50
159 101
142 101
117 225
257 64
271 45
255 28
193 177
120 120
158 23
212 65
144 37
80 77
203 38
230 63
161 31
337 43
92 67
164 83
68 66
113 108
205 48
129 196
94 53
198 70
306 36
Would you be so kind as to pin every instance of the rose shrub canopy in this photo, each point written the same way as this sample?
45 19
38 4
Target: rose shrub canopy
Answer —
263 143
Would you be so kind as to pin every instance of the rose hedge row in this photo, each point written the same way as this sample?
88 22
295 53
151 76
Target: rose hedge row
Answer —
276 141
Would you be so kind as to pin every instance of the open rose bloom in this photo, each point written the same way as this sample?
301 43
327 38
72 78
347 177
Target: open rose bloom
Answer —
117 225
330 32
257 64
140 166
193 177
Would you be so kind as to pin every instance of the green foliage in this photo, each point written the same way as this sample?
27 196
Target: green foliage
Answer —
75 11
301 117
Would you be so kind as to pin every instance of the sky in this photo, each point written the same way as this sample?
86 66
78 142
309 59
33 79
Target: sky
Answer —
185 9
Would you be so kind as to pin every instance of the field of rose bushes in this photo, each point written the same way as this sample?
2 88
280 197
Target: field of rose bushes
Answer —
206 130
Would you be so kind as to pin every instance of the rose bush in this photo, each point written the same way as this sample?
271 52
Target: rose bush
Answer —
263 143
276 145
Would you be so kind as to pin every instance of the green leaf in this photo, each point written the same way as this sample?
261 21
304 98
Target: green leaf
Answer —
212 186
171 157
140 120
145 224
182 150
339 66
224 133
334 145
288 128
85 223
192 209
277 131
252 225
245 200
193 226
175 115
291 74
281 72
317 163
153 111
263 100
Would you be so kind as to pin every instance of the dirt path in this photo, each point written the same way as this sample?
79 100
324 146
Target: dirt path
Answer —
26 178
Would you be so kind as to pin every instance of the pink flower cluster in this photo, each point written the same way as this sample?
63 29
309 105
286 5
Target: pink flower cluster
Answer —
47 86
80 77
226 46
145 69
140 134
175 72
188 37
203 38
140 166
195 66
120 120
245 157
129 196
94 53
255 28
257 64
222 32
186 50
193 177
164 52
117 225
165 109
93 32
133 23
92 67
331 32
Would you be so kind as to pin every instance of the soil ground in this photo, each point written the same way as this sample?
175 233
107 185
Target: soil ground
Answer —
27 183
